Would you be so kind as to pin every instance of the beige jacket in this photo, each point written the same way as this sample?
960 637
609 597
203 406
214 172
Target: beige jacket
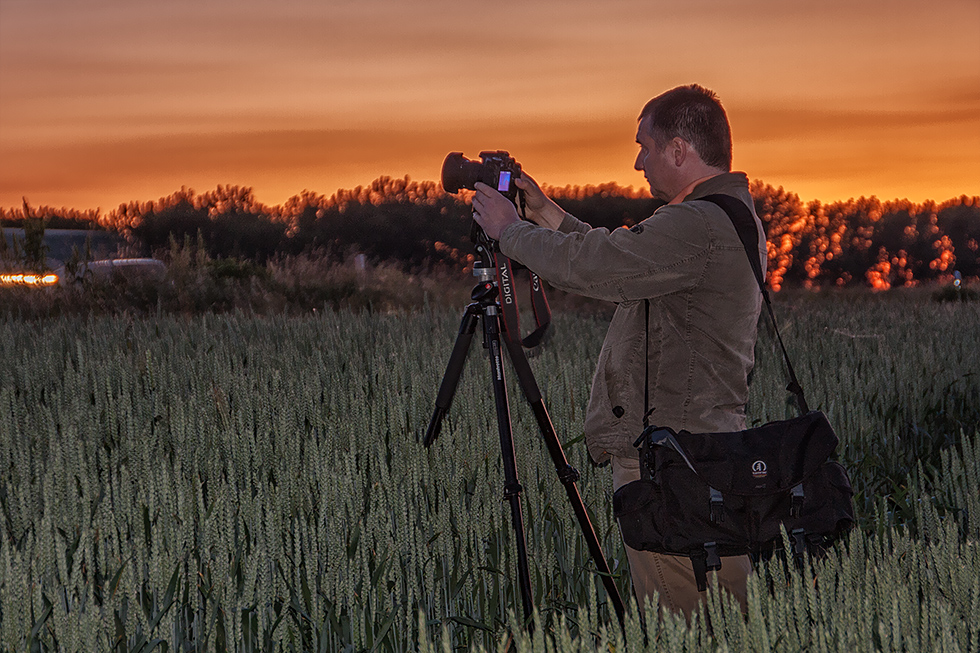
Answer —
704 310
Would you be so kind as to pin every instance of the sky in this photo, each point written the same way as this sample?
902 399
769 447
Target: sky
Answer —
104 102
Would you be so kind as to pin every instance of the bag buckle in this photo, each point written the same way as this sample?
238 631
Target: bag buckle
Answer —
653 435
704 560
797 506
798 537
712 562
717 505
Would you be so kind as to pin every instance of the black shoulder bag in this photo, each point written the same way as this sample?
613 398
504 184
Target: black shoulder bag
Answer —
711 495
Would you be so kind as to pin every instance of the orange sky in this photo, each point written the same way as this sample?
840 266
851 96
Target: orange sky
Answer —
106 101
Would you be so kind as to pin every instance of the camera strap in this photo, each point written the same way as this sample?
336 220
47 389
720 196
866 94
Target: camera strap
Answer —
542 312
510 313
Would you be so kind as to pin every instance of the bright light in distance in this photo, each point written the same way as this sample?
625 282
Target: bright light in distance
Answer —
22 279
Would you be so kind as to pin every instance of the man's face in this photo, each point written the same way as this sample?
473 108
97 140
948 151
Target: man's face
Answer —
652 161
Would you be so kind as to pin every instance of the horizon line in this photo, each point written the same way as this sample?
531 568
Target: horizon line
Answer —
548 188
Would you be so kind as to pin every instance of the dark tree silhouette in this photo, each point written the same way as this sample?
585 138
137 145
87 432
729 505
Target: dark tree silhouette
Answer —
416 224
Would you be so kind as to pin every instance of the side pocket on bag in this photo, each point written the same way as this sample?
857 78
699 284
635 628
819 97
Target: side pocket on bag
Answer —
829 507
842 486
635 506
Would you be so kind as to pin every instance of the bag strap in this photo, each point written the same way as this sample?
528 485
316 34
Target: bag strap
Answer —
646 368
748 233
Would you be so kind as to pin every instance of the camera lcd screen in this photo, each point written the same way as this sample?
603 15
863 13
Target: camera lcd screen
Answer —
503 182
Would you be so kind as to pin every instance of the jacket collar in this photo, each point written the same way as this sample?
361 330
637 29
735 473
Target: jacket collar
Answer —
681 196
728 183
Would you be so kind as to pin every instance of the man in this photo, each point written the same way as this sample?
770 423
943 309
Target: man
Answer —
704 304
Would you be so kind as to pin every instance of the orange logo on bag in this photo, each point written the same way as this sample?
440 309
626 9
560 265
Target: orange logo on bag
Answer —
759 469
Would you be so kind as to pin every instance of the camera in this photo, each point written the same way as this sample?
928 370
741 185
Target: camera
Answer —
496 169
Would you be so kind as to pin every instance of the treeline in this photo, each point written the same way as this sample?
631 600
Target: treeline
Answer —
867 241
419 227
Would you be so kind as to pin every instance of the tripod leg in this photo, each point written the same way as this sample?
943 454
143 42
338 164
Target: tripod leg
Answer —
512 487
567 474
453 371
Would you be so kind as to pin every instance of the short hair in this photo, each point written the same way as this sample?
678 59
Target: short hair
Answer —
695 114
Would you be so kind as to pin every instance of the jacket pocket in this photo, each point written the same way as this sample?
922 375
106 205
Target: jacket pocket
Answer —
619 361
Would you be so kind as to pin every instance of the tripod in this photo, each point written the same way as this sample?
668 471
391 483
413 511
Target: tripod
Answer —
486 307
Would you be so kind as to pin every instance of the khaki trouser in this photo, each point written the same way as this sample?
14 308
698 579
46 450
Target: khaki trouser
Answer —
672 576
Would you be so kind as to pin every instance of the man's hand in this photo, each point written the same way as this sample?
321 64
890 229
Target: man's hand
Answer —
492 211
541 209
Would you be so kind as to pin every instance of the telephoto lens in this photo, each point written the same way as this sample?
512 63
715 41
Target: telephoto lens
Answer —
496 169
459 172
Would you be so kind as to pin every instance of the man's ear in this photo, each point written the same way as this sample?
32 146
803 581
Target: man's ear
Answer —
680 150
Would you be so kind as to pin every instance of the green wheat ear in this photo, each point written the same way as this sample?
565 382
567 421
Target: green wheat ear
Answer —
228 482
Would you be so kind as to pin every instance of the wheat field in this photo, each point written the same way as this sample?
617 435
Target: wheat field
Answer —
239 483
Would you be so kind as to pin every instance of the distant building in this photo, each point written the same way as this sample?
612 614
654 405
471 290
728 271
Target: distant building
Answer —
61 244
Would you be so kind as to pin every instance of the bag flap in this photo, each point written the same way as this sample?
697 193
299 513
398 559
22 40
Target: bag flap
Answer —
758 461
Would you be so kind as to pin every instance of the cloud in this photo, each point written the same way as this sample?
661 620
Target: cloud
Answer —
917 153
278 163
282 96
766 124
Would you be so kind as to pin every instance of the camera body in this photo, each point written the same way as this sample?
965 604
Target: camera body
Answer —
495 169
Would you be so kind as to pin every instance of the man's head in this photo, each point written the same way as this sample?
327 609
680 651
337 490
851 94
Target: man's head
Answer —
683 135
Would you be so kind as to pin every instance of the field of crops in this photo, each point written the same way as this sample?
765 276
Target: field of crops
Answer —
255 484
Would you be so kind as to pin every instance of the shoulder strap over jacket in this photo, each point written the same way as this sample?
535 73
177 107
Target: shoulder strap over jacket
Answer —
744 223
748 233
